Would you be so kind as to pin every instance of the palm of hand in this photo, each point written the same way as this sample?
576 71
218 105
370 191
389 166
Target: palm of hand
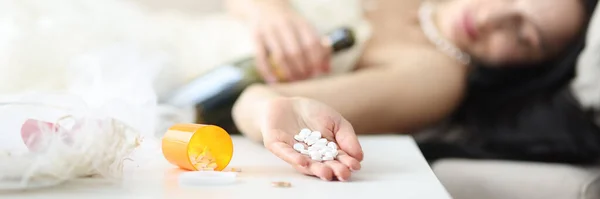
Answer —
286 117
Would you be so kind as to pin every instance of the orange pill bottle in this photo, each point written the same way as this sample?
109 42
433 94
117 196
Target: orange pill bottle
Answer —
197 147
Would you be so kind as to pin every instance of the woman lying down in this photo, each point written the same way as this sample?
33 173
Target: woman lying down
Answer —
470 62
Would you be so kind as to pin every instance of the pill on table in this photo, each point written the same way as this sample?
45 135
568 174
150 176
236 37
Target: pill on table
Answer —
299 138
299 147
304 132
281 184
332 145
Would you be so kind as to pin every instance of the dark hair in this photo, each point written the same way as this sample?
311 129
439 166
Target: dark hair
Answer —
522 113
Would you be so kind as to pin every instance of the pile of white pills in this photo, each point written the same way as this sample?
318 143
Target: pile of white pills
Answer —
319 149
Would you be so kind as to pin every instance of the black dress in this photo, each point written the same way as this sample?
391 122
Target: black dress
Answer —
519 114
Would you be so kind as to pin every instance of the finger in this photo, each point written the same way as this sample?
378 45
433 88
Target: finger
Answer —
349 161
316 52
347 140
261 58
294 54
313 50
304 170
340 170
288 154
321 170
277 62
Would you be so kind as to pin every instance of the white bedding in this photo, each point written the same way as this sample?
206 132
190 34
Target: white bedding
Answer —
41 40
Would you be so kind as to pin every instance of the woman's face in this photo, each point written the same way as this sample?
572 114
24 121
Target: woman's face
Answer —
500 32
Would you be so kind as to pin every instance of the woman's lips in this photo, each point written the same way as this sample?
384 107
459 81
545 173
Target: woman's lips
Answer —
468 26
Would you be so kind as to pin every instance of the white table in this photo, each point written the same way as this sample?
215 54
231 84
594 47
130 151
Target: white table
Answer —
393 168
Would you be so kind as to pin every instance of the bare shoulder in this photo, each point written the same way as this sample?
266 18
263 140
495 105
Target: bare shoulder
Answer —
442 75
425 63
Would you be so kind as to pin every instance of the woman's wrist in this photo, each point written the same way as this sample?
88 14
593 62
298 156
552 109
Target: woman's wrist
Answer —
249 111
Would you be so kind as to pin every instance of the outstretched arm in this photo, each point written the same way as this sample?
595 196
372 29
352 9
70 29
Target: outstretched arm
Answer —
374 100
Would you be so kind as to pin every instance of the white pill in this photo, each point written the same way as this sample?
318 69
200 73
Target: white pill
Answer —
332 145
299 138
326 158
319 145
325 150
305 152
315 134
317 149
299 147
322 141
316 158
335 153
328 153
310 141
315 153
304 132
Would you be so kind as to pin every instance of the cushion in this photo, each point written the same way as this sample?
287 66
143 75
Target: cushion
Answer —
586 85
476 179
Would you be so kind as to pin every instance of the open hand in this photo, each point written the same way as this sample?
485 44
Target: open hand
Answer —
285 117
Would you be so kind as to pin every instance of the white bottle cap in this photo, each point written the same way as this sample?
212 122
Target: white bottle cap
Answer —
207 178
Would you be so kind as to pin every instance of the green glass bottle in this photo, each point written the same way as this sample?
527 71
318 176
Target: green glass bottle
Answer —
214 93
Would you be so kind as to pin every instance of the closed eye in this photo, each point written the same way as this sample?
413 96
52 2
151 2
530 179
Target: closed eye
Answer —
531 38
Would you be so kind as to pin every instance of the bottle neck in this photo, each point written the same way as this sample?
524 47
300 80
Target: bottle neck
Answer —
327 43
340 39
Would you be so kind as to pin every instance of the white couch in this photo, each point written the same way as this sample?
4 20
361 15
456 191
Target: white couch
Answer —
486 179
